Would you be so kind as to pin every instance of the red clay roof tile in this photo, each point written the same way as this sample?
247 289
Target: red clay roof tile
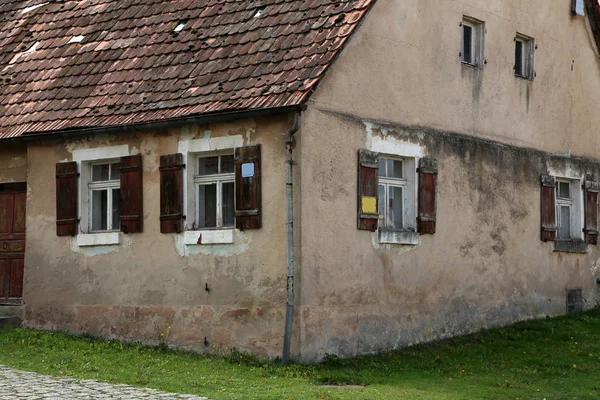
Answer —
132 66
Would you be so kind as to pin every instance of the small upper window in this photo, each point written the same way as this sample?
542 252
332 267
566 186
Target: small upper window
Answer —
524 47
215 191
104 194
472 41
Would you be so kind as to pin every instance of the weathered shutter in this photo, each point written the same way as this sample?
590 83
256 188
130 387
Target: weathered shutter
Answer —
591 211
368 182
428 169
131 194
247 187
171 193
548 208
66 198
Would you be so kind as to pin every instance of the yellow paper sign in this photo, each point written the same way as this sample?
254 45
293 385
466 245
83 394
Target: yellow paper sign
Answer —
369 205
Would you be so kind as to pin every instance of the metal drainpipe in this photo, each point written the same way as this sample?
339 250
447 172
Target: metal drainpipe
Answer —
287 338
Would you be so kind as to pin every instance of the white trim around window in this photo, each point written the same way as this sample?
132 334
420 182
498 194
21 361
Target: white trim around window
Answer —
85 159
191 150
569 208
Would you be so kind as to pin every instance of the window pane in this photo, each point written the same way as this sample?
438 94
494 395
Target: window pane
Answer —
395 210
116 209
467 44
227 198
564 190
99 210
519 58
115 171
227 164
207 206
208 165
382 164
381 205
564 230
100 172
394 169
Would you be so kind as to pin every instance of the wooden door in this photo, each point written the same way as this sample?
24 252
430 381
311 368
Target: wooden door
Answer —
12 242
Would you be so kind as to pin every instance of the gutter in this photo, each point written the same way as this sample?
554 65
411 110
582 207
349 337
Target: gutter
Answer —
287 337
154 125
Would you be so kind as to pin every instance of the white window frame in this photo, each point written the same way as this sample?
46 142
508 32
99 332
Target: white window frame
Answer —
217 179
190 149
388 182
575 204
85 158
108 185
477 41
527 57
407 233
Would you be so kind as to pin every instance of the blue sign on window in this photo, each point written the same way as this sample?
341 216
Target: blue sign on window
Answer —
247 170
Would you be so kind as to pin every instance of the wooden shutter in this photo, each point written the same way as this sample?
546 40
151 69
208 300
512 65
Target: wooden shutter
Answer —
591 211
368 182
548 208
171 193
247 187
428 169
132 214
66 199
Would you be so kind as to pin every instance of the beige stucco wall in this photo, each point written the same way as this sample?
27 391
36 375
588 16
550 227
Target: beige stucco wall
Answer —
485 265
140 288
493 135
403 66
13 162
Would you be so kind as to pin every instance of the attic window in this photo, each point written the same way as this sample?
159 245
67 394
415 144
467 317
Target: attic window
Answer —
259 12
33 48
31 8
524 46
180 27
76 39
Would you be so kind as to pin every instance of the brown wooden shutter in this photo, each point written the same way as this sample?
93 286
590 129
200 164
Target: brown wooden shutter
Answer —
67 197
428 169
368 182
171 193
132 214
548 208
591 211
247 187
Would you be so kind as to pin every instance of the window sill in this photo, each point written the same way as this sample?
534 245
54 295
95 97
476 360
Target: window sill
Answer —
468 64
98 239
207 237
524 78
570 246
398 237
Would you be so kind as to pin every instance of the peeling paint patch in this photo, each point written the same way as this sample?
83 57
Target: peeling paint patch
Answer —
381 139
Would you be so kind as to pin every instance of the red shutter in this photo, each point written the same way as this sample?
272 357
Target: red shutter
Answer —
368 182
428 169
591 211
132 214
548 208
66 199
247 187
171 193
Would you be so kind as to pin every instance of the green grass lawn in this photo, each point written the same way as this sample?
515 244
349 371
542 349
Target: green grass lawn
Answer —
547 359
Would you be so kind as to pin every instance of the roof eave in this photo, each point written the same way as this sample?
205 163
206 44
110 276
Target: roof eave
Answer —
200 119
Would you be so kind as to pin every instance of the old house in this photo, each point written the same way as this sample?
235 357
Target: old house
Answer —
385 172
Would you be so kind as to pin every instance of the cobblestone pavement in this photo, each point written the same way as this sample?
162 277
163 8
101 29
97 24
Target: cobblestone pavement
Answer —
19 385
